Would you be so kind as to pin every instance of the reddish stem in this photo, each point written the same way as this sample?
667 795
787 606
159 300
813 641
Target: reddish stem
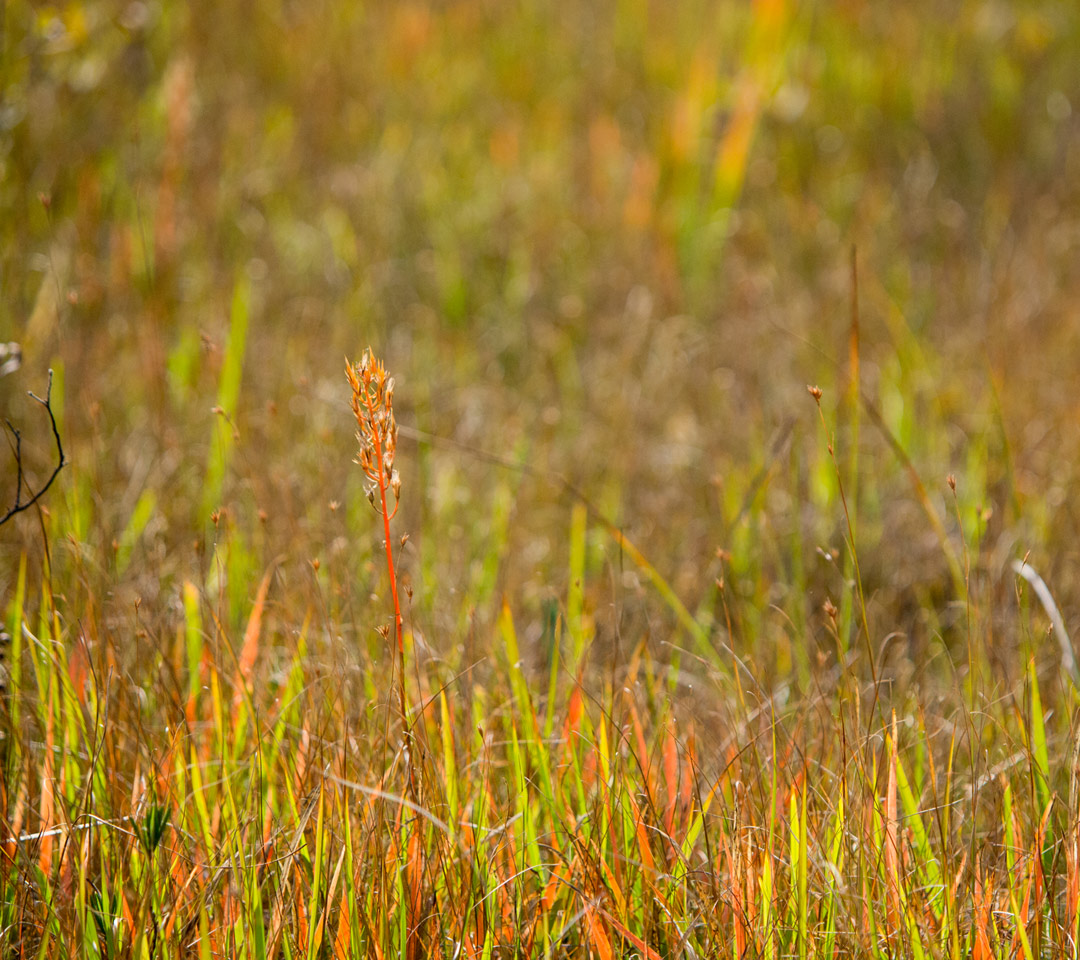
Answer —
377 443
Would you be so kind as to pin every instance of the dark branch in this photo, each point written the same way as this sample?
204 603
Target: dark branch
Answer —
19 505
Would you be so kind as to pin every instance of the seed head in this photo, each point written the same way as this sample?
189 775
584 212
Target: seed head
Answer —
373 406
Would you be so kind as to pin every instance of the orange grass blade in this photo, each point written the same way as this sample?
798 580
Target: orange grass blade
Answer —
738 911
343 937
671 778
981 950
642 839
47 804
892 849
596 933
249 649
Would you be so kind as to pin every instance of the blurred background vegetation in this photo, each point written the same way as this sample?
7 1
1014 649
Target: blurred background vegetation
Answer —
611 241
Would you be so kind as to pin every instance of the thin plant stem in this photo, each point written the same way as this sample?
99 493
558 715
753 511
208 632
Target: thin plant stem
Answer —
373 407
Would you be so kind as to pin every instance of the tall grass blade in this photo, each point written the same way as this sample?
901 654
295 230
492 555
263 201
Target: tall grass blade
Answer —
222 443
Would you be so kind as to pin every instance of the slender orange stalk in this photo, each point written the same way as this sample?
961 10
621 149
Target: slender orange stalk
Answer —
373 407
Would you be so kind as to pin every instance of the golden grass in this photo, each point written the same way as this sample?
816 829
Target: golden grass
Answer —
660 657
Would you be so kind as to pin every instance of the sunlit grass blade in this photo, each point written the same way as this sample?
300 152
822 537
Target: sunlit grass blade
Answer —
1040 755
228 397
697 633
193 639
140 517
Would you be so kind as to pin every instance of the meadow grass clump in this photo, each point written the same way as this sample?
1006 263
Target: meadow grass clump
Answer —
268 809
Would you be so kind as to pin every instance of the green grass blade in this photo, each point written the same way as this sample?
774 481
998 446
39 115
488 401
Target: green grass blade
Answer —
228 396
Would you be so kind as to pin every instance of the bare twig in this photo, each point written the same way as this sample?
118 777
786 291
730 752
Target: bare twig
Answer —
20 505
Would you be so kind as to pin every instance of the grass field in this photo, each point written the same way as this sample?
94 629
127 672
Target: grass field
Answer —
692 661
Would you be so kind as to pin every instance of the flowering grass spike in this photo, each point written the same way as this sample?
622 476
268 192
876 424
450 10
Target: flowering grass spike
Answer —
373 407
